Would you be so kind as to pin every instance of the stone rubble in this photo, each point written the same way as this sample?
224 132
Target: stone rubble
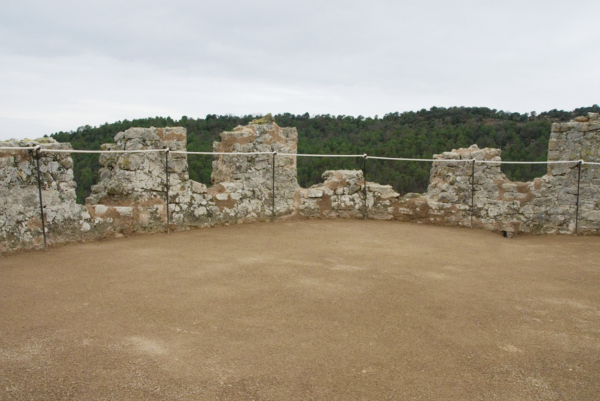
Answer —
130 196
340 196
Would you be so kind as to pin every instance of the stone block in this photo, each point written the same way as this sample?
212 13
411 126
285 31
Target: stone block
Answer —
124 211
315 193
509 186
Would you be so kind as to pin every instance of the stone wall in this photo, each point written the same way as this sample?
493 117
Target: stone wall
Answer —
250 177
242 189
131 194
132 186
543 206
342 195
575 140
20 222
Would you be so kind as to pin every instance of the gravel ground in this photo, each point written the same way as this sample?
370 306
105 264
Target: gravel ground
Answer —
308 310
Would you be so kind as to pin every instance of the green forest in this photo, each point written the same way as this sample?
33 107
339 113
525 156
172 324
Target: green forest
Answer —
420 134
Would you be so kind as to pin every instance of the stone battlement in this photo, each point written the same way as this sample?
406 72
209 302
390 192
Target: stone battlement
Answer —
130 196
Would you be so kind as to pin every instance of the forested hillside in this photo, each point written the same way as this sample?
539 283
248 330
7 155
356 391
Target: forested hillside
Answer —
411 134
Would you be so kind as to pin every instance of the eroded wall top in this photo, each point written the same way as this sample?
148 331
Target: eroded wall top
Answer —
126 178
251 183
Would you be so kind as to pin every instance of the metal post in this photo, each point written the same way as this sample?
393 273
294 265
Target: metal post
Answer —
472 191
273 188
365 157
578 186
167 186
37 151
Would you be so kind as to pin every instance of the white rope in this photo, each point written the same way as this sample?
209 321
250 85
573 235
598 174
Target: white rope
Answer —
470 160
102 151
311 155
220 153
419 160
17 148
511 162
49 150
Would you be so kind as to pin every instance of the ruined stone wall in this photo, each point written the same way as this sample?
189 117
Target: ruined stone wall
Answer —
249 177
242 185
342 196
131 194
132 186
575 140
546 205
242 189
20 222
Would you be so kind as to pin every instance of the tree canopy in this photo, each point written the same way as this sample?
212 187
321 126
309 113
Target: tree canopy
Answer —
420 134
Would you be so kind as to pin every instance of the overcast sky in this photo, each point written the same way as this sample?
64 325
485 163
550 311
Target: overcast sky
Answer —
64 64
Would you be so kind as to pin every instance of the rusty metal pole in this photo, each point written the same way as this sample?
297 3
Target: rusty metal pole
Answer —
37 151
365 157
472 191
578 188
273 188
167 150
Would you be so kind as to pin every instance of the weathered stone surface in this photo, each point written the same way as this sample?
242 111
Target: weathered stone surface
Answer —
20 220
254 173
543 206
380 201
136 177
267 119
131 194
340 196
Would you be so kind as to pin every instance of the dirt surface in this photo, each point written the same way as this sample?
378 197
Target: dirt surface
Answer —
323 310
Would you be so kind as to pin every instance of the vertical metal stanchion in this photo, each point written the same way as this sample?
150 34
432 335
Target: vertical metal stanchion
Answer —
167 187
37 151
578 187
273 188
365 157
472 191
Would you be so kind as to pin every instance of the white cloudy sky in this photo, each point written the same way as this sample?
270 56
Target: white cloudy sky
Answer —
64 64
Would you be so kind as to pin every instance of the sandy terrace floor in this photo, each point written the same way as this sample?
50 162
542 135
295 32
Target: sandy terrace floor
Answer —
323 310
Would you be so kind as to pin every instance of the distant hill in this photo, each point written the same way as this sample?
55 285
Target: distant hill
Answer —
410 134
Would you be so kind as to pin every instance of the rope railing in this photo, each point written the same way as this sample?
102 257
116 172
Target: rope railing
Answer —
38 149
365 156
414 160
102 151
317 155
18 147
470 160
519 162
185 152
